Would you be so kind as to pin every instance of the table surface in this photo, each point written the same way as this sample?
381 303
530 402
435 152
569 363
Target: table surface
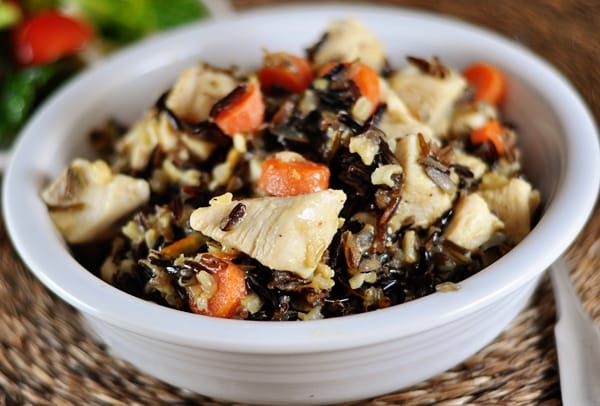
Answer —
46 357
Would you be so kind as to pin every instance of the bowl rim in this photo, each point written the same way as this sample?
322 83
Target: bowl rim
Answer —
99 300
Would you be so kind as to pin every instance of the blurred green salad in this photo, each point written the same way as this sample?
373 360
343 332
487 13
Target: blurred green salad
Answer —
45 42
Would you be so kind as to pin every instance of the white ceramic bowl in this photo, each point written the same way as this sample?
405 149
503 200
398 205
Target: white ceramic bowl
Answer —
326 360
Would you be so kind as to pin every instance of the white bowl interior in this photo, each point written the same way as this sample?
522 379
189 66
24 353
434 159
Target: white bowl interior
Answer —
559 144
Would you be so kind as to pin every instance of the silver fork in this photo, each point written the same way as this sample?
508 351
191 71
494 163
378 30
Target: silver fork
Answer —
577 342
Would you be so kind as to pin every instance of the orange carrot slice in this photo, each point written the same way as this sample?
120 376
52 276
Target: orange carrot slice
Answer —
230 283
363 76
488 82
231 288
293 177
288 71
492 132
367 81
242 114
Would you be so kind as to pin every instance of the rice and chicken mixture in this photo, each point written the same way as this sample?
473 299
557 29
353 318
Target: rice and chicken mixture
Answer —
318 185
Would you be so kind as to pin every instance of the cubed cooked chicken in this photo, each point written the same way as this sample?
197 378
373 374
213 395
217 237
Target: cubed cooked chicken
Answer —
87 199
283 233
348 40
197 90
422 201
515 203
139 142
397 121
475 164
473 223
429 98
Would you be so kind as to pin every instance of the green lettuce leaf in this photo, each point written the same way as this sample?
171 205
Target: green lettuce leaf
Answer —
124 21
22 90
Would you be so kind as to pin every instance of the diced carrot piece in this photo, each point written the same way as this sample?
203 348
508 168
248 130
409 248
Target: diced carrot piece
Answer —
230 282
245 113
294 177
288 71
367 81
185 246
363 76
231 288
487 81
492 132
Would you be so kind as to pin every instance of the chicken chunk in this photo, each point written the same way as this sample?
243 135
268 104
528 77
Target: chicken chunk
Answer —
475 164
284 233
515 203
88 198
429 98
197 90
349 40
422 201
137 145
397 121
473 223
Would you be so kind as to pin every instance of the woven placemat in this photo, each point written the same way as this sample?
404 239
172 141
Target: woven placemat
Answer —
47 358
